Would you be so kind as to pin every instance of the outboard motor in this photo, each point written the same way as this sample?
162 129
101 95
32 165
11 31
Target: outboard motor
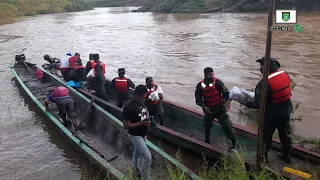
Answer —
20 58
53 62
49 58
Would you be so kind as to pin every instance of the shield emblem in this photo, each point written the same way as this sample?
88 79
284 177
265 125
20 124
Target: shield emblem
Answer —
286 16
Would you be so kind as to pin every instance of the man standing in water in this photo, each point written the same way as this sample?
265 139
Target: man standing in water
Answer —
213 96
136 120
278 108
121 85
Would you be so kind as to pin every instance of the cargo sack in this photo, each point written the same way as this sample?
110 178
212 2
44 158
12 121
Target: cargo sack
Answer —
241 95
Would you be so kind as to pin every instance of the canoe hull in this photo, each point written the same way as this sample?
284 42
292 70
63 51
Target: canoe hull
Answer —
85 150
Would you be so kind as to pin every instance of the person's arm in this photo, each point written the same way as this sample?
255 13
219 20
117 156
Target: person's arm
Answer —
99 75
257 93
48 100
79 61
160 92
199 99
131 84
198 95
127 124
112 84
88 67
224 92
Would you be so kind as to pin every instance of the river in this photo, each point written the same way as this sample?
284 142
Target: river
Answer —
172 48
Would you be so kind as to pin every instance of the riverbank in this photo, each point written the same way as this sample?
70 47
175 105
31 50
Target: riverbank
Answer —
209 6
15 8
117 3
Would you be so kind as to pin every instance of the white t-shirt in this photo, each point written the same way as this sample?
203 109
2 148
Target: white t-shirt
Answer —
91 73
155 94
64 62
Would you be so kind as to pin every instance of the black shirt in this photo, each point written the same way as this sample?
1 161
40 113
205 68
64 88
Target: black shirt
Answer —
88 67
134 113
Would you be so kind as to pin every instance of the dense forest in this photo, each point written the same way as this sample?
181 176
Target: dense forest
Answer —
203 6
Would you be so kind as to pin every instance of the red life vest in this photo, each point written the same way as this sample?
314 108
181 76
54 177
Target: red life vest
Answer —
79 67
93 65
39 74
151 91
211 96
73 62
279 83
121 85
60 92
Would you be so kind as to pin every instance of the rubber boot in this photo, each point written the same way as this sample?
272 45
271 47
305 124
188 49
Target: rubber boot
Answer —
74 123
65 122
266 158
233 145
207 140
285 157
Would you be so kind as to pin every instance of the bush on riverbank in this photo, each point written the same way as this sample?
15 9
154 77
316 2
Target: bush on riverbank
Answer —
207 6
116 3
173 6
15 8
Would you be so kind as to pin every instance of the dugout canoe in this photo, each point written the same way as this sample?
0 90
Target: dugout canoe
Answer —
183 127
102 138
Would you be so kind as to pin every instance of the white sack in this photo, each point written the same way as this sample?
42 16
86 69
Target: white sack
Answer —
241 95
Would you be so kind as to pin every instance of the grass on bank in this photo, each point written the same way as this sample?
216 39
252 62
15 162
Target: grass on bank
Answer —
15 8
228 168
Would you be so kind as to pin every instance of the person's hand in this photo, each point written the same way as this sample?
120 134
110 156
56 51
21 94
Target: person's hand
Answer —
206 110
145 123
228 106
248 105
46 105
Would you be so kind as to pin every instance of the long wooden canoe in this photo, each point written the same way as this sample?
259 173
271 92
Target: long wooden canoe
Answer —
183 127
102 138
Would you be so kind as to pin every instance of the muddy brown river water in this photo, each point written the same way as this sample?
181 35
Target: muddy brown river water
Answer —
173 48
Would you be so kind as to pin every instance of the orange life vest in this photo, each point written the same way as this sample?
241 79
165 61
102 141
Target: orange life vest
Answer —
73 62
151 91
279 83
93 65
121 85
211 96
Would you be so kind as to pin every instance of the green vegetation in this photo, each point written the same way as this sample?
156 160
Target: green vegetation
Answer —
229 168
207 6
15 8
116 3
173 6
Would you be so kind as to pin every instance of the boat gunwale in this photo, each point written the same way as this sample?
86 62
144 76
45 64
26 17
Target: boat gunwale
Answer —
109 115
249 131
109 168
163 128
298 151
